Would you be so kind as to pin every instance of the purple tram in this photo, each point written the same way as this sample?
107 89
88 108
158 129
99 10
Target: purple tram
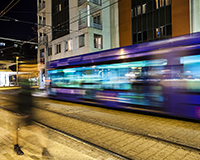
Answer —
161 76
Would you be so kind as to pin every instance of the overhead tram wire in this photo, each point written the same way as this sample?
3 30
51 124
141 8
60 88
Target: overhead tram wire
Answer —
85 12
2 13
52 27
6 7
15 40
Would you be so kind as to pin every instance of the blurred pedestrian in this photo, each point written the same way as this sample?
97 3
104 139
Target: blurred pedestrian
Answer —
25 116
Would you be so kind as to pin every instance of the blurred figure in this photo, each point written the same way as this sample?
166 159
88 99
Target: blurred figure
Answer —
25 116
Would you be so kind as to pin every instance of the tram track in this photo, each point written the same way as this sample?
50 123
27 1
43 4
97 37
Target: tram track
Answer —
146 136
86 142
76 116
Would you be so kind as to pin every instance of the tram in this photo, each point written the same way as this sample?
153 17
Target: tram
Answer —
160 76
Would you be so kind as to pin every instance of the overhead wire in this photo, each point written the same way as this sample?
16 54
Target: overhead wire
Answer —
9 8
6 7
53 27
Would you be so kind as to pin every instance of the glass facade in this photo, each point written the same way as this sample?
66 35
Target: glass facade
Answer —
151 20
60 18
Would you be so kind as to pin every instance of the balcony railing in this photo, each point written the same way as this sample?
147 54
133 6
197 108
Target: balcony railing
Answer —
42 40
80 2
96 1
41 6
96 25
99 46
41 24
82 24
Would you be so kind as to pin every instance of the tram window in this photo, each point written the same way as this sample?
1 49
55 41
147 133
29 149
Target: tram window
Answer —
191 72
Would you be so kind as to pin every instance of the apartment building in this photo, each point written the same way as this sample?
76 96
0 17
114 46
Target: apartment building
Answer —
75 27
149 20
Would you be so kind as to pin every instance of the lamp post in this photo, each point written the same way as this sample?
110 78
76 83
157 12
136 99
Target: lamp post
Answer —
17 69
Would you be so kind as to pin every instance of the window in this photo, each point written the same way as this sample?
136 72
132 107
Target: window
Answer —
138 10
58 48
144 35
139 36
97 18
167 2
59 7
82 40
157 33
50 51
69 45
135 11
162 3
98 41
41 53
144 8
156 4
160 32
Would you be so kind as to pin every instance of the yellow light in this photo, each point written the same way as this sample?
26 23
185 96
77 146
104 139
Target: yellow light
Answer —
122 52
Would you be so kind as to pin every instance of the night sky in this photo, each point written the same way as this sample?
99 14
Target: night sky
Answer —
25 10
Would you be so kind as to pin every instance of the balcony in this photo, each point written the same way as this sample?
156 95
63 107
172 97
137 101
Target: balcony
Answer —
80 2
42 40
98 2
41 6
96 25
42 23
82 24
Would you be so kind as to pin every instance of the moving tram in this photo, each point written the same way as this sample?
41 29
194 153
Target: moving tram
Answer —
160 76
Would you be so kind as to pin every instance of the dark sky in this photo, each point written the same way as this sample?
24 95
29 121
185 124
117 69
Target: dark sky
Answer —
25 10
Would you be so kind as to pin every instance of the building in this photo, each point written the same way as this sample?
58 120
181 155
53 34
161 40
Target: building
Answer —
9 50
75 27
148 20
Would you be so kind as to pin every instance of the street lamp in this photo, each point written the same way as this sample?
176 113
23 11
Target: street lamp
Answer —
17 69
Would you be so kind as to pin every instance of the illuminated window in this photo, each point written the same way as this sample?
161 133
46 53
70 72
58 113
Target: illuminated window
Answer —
59 7
160 32
167 2
144 8
139 10
98 41
162 3
69 45
156 1
135 11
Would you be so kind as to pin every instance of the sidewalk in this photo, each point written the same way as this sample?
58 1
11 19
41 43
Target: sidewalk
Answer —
60 146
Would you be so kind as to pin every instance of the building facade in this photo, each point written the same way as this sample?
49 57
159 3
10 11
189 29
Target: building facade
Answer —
75 27
149 20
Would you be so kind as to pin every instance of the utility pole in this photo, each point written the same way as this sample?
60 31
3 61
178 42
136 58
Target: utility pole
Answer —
17 70
47 55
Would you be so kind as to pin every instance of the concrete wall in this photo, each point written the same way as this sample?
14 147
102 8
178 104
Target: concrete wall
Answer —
195 15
